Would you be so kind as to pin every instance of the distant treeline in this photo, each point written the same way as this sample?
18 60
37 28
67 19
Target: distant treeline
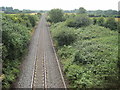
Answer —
104 13
91 13
98 13
10 10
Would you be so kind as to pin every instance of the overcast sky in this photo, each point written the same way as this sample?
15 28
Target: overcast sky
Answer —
63 4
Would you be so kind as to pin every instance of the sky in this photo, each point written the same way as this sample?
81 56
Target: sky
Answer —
62 4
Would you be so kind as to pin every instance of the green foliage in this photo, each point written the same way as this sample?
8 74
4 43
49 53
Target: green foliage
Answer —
91 61
56 15
104 13
101 21
111 23
78 21
11 71
97 13
32 20
94 21
79 58
64 36
65 53
118 26
15 39
26 20
81 10
108 22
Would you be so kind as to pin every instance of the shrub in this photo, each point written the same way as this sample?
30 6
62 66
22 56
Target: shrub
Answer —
32 20
79 58
111 23
66 52
78 21
65 36
56 15
94 21
81 10
118 26
101 21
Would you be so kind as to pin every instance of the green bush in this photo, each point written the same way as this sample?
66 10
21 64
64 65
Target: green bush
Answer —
65 36
15 38
32 20
79 58
11 71
81 10
101 21
65 53
56 15
94 21
118 26
78 21
111 23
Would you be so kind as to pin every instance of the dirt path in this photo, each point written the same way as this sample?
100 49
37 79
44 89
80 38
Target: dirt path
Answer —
41 68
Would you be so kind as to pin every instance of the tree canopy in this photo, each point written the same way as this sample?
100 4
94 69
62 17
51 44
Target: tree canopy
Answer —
81 10
56 15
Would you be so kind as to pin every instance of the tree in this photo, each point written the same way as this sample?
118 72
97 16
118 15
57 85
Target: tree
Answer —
9 8
3 8
56 15
81 10
16 10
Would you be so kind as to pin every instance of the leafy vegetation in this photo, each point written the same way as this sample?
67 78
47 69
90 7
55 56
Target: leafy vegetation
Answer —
108 22
55 15
111 23
101 21
78 21
91 59
65 36
81 10
96 13
104 13
16 35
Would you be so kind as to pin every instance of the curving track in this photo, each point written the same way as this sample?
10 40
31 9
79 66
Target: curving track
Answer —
41 68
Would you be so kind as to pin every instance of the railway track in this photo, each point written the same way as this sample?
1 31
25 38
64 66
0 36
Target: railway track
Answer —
46 71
